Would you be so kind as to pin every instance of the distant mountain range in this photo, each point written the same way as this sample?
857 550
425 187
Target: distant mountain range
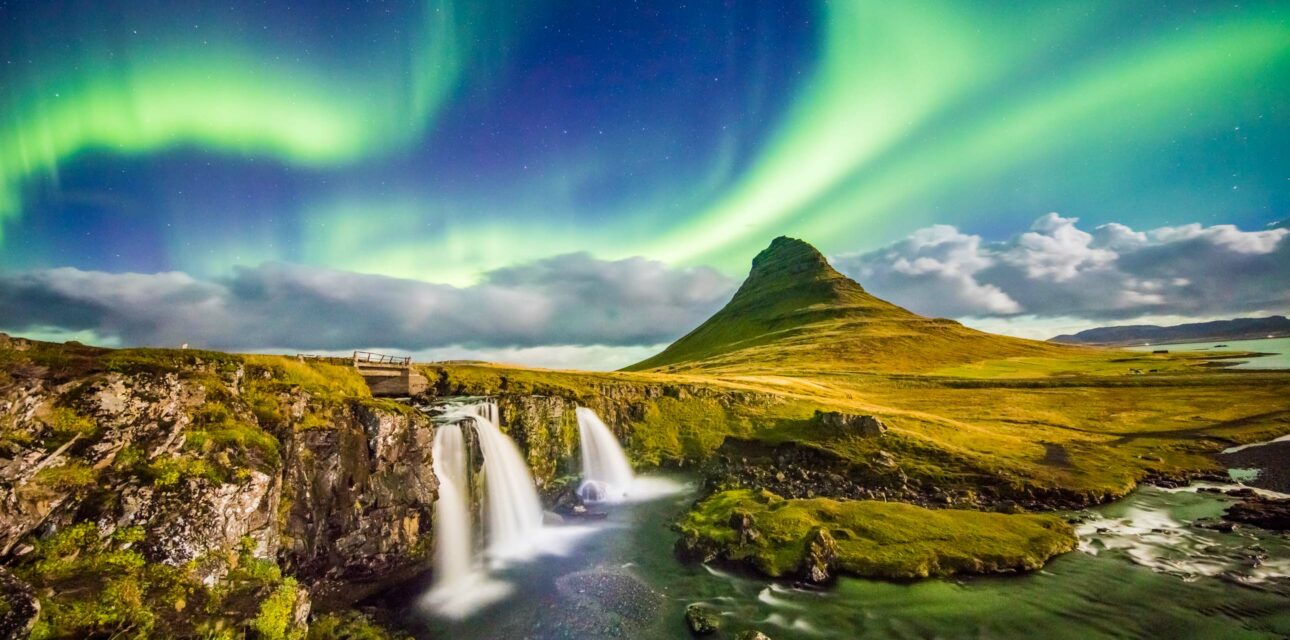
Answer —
1236 329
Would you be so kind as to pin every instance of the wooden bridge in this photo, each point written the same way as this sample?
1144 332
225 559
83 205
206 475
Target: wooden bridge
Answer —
386 375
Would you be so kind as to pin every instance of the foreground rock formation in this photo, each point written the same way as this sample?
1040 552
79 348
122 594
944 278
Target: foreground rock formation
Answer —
190 493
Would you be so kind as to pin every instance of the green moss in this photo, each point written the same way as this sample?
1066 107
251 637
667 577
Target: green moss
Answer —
684 430
65 421
99 587
64 424
327 381
95 586
168 360
169 471
350 625
11 435
70 476
315 420
875 539
274 619
237 444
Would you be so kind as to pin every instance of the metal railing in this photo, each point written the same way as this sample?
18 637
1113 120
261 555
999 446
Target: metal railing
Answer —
381 359
312 357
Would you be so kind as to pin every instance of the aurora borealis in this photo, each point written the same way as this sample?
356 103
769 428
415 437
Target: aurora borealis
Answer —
441 141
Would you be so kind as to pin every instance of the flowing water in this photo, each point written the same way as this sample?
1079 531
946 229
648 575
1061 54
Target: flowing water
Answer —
623 582
514 510
451 511
461 584
606 474
1143 570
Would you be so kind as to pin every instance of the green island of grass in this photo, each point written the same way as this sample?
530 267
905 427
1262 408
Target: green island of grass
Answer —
866 538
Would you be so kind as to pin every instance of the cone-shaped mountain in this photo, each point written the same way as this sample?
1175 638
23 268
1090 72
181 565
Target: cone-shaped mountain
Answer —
796 310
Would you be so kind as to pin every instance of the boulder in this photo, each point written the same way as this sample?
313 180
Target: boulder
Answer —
702 620
752 635
821 552
865 426
1266 513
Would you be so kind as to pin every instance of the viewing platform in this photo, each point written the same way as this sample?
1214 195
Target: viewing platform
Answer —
386 375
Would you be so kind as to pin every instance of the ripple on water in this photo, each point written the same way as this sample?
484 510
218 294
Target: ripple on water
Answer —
1154 528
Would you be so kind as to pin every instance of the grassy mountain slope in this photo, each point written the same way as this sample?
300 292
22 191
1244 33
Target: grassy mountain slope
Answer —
796 312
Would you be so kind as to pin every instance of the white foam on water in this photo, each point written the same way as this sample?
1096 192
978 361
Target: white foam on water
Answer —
465 597
1149 536
1243 447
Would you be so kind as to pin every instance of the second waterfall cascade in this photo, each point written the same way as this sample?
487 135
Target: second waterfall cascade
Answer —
606 474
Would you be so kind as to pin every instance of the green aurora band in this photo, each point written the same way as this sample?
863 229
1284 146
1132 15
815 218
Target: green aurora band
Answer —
236 102
908 105
841 162
879 80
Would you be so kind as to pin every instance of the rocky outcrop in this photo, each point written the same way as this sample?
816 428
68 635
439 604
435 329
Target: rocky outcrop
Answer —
1262 512
795 470
359 499
213 466
702 620
847 423
821 553
546 430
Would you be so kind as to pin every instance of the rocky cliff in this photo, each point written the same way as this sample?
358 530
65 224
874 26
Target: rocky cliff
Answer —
155 493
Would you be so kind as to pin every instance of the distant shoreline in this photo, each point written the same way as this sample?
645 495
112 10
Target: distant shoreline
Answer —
1174 342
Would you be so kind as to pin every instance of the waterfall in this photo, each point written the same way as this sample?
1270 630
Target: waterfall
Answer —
513 518
511 499
460 585
606 474
451 511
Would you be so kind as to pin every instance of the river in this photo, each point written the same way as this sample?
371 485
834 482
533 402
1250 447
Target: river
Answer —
1142 571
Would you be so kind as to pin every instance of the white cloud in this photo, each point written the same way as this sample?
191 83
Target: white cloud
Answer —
1057 270
553 311
943 263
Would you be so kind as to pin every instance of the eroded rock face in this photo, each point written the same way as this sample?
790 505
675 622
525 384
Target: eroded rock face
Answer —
546 430
360 497
197 517
147 412
207 462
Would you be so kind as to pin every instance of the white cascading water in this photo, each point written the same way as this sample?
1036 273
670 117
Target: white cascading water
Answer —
460 584
606 474
451 510
511 499
513 518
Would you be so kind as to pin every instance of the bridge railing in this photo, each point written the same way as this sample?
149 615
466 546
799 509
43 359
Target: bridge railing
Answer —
312 357
368 357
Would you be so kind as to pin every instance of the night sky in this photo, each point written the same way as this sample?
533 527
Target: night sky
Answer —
450 142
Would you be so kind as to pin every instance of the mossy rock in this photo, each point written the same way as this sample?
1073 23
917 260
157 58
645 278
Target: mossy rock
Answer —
819 537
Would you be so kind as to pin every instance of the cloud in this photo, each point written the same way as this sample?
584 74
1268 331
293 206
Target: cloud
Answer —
570 300
1057 270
